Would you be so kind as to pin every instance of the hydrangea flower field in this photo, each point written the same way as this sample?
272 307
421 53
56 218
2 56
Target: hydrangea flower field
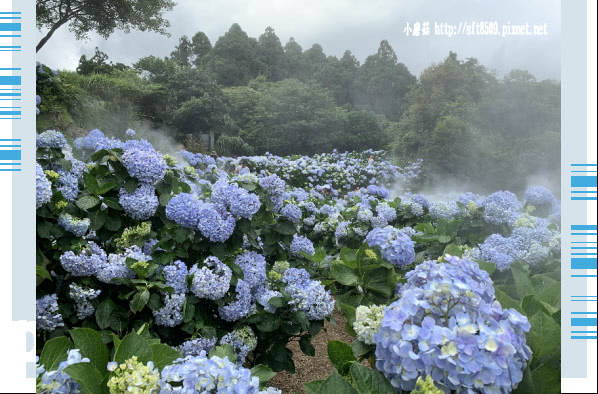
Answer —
166 273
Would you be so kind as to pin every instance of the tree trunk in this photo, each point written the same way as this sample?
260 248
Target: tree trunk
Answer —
43 41
212 144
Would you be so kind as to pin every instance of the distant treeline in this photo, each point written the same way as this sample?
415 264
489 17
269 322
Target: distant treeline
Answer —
256 95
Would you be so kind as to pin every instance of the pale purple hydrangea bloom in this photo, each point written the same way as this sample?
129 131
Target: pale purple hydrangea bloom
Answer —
396 247
46 317
448 325
141 204
211 281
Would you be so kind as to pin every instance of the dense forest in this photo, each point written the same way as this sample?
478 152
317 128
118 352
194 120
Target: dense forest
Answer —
255 95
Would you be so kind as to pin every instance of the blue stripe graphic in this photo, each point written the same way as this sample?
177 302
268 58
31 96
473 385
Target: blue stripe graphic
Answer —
583 264
584 322
10 80
10 27
583 227
583 181
10 154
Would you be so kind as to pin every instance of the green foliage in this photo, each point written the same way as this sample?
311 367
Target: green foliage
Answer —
349 376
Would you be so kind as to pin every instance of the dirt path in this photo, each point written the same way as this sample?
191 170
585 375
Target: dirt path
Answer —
312 368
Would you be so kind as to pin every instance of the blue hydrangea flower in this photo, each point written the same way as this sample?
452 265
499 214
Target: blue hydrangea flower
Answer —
421 200
215 224
365 215
291 212
396 247
110 143
210 374
184 209
273 185
417 209
341 230
499 250
211 281
86 263
82 298
254 268
43 187
529 241
263 296
92 140
51 139
175 276
70 186
379 191
502 207
301 244
472 344
59 381
141 204
310 207
46 317
147 166
296 276
116 267
194 347
171 314
386 211
73 225
240 307
539 196
244 204
130 133
242 340
444 210
378 222
467 197
307 295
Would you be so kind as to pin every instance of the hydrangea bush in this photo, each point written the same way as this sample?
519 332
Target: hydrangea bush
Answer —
198 260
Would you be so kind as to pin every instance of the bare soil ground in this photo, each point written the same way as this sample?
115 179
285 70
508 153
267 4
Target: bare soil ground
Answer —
312 368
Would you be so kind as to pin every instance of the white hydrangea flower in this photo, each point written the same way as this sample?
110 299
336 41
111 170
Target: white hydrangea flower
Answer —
367 322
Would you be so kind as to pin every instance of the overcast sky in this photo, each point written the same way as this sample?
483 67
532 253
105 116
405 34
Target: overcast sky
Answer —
339 25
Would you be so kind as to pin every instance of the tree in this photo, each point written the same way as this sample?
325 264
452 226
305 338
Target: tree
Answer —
338 76
200 115
183 52
294 117
201 46
271 53
180 84
315 57
382 83
363 130
233 59
296 63
98 64
242 104
101 16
